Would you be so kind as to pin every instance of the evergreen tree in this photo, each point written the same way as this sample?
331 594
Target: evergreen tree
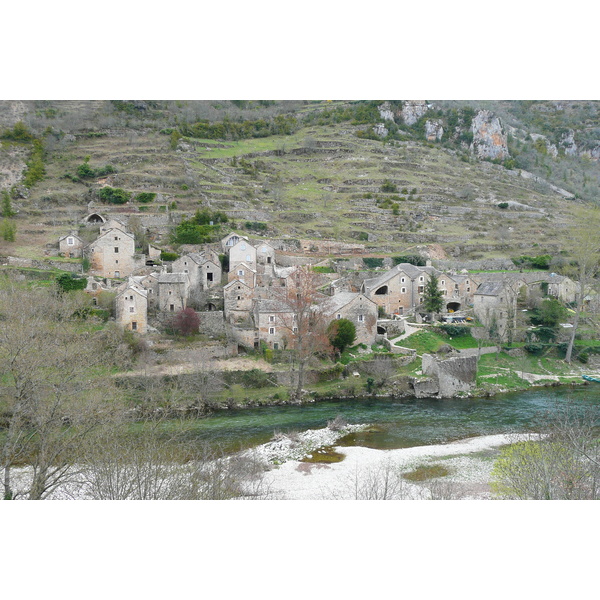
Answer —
433 297
7 209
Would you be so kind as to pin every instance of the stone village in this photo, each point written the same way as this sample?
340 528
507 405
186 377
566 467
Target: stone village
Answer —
246 302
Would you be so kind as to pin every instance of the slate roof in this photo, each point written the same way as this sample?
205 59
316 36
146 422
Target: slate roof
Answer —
410 270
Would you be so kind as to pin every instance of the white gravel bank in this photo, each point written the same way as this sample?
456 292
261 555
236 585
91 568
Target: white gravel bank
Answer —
365 473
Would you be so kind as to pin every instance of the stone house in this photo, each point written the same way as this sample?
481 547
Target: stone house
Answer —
398 290
231 240
355 307
238 300
71 245
112 254
131 307
242 252
272 321
243 272
203 272
150 284
265 261
495 302
173 291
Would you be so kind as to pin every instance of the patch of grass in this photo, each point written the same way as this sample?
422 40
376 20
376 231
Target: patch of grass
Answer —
426 472
325 455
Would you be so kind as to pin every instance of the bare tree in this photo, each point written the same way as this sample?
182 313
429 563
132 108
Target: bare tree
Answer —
585 250
561 464
305 325
51 396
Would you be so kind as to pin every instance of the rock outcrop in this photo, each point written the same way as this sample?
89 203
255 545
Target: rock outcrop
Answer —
413 110
446 377
489 137
433 130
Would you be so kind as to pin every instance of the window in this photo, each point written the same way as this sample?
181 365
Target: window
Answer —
443 282
421 279
403 280
172 307
116 249
361 318
294 329
131 309
117 273
209 277
243 246
338 316
421 289
248 258
134 325
271 319
268 259
71 241
275 345
240 273
271 330
264 249
403 290
239 297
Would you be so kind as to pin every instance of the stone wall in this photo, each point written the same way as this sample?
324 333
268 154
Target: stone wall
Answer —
453 375
46 265
212 323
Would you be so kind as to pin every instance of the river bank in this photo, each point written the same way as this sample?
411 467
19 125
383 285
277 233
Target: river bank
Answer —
459 470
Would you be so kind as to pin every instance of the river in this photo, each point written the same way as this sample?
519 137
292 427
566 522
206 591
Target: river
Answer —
401 423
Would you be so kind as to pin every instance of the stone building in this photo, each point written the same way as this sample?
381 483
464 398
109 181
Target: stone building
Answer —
357 308
131 307
495 305
203 271
242 252
272 322
243 272
112 254
173 291
238 299
71 245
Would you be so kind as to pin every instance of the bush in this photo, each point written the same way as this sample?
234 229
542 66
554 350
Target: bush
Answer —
68 282
455 330
341 333
145 197
535 348
389 187
8 230
413 259
503 205
373 263
114 195
168 256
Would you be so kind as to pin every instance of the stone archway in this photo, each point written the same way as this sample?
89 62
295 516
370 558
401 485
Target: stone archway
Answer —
453 306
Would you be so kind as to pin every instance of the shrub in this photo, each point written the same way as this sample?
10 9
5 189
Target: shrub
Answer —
114 195
455 330
68 282
168 256
8 230
503 205
341 333
145 197
413 259
186 322
389 187
373 263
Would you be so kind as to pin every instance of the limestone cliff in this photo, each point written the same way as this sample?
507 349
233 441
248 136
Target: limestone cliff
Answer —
489 137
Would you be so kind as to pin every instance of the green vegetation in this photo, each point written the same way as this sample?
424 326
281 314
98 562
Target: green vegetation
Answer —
202 228
69 282
426 472
341 333
8 230
533 262
114 195
228 129
86 172
433 296
373 263
145 197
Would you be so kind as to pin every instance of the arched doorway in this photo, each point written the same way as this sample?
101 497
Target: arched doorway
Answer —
453 306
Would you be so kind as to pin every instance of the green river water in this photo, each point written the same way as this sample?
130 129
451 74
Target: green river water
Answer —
400 423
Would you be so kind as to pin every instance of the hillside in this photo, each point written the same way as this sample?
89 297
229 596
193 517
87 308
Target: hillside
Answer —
317 170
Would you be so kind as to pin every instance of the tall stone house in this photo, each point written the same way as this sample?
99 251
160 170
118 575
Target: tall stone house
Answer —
495 304
173 291
112 254
131 307
237 300
242 252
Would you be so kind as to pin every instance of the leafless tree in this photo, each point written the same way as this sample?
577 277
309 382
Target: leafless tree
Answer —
585 250
51 398
305 325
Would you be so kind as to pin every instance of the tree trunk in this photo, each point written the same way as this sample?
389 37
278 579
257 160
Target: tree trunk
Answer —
8 493
578 310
